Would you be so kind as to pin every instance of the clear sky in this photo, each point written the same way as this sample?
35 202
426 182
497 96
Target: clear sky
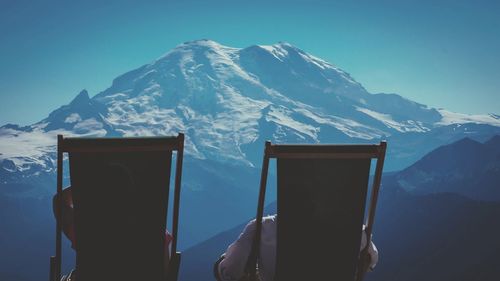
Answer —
440 53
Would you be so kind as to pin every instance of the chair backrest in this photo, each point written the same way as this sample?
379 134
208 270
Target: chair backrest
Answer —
322 191
120 194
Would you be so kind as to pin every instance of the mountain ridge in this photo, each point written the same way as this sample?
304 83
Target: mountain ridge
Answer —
465 167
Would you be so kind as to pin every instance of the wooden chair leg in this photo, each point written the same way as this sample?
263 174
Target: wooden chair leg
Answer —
52 268
173 272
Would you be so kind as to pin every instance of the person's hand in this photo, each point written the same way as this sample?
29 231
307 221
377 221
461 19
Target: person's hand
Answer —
363 265
67 219
216 267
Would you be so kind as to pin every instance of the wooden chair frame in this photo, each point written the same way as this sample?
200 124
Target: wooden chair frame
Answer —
349 151
68 145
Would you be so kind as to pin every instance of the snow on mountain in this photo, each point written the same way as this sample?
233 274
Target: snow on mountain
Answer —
227 101
25 148
34 146
450 118
387 120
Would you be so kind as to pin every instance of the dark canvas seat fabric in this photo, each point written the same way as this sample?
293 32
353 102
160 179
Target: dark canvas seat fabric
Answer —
120 203
320 208
120 195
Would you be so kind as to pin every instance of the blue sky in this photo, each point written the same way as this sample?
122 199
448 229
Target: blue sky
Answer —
440 53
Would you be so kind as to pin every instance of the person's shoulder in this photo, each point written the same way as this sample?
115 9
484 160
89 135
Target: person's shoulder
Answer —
270 219
267 220
269 224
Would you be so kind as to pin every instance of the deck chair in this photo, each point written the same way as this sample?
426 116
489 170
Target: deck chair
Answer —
322 192
120 189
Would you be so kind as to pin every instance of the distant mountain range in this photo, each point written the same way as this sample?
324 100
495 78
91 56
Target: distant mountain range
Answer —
228 101
433 235
466 167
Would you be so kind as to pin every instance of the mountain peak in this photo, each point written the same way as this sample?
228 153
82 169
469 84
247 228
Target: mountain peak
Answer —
81 98
212 43
190 47
466 141
284 46
288 46
204 43
456 155
284 43
80 109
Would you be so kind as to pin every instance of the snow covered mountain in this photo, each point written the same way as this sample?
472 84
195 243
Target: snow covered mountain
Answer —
228 101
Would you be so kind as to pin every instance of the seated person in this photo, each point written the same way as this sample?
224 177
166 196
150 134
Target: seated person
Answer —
231 266
68 227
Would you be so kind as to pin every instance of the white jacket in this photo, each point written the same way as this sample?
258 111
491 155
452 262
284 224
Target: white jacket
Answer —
232 267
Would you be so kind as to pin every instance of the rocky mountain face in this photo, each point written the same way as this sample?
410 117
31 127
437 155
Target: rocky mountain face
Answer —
227 101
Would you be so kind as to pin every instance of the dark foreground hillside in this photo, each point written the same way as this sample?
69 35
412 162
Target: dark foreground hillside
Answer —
437 237
430 237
